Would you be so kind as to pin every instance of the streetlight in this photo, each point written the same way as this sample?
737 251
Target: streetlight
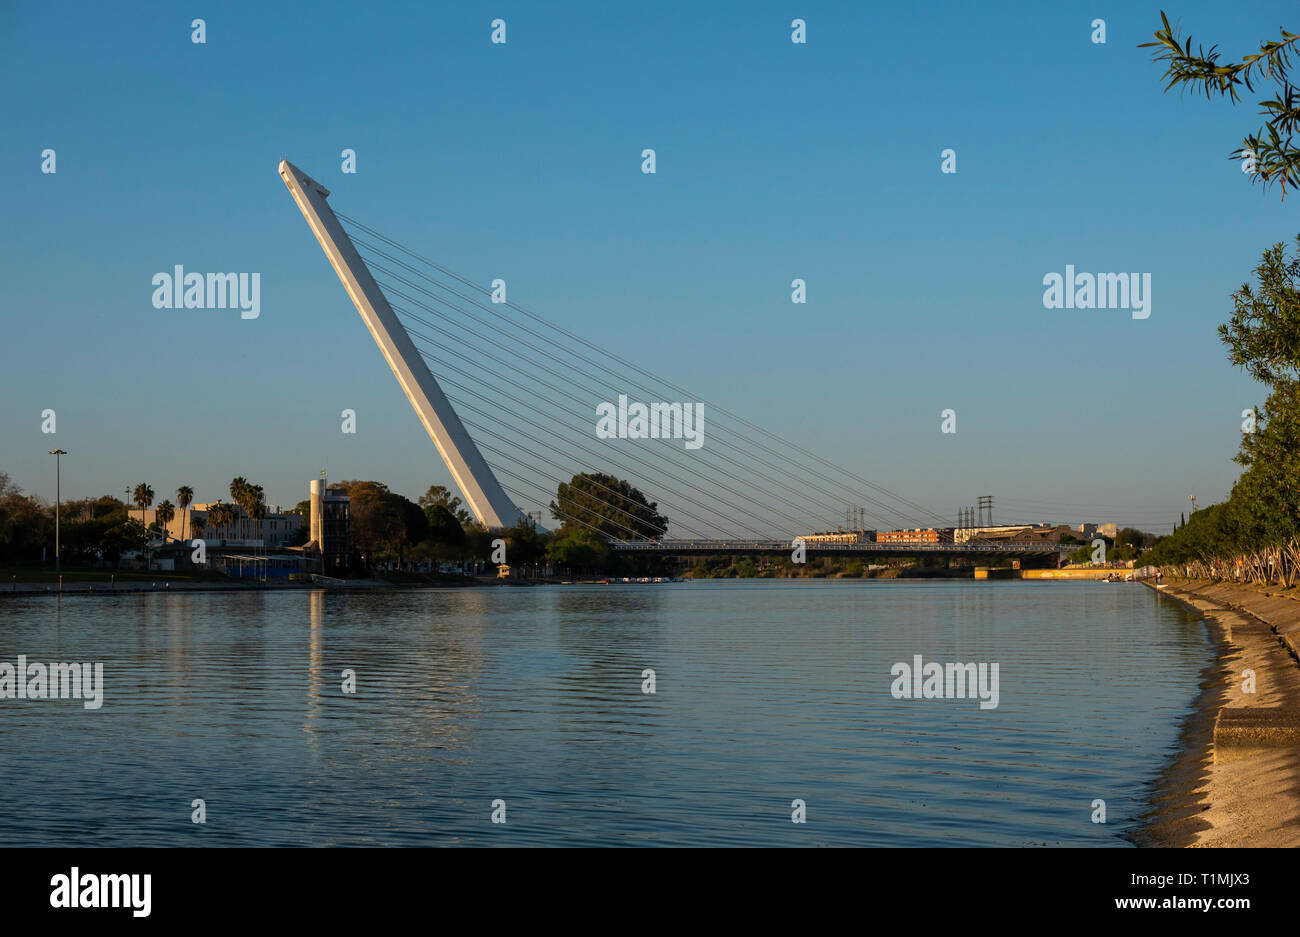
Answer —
57 484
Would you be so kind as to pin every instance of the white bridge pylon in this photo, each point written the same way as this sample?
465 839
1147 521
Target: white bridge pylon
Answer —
479 487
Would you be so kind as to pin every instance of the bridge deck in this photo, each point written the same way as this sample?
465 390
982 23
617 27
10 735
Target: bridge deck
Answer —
879 549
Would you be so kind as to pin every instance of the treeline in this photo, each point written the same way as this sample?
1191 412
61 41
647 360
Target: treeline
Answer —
592 508
1127 544
1255 534
89 529
100 530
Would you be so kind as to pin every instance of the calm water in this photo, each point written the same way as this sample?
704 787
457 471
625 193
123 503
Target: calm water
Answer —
766 692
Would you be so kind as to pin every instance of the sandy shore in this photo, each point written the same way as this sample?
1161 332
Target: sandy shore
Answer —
1237 781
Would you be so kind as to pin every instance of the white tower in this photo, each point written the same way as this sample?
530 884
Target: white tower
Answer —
479 487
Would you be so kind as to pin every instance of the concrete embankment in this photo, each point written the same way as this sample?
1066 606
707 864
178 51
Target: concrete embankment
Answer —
1075 574
1237 781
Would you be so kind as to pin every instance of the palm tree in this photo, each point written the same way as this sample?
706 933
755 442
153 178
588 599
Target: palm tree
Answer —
229 517
184 497
143 497
218 516
256 495
239 487
197 524
166 511
257 511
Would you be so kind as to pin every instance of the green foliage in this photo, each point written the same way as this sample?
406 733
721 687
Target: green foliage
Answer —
142 496
1208 532
373 515
444 527
125 536
1263 510
220 516
608 504
166 512
439 495
383 523
1266 498
524 544
1276 158
478 542
1263 334
576 548
25 524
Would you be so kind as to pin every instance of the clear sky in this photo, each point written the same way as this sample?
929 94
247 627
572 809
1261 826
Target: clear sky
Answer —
523 161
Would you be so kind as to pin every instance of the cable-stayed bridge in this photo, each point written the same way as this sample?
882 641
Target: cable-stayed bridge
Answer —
514 413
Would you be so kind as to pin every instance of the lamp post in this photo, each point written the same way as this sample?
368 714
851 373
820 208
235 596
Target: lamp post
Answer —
57 497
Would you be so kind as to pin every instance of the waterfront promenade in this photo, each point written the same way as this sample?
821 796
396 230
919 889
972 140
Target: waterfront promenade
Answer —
1237 780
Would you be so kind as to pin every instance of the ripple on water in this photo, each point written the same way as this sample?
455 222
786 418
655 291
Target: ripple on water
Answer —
767 691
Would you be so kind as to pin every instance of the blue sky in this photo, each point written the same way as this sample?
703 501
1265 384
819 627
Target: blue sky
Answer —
522 160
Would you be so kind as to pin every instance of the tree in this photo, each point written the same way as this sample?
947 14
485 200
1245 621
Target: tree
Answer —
1257 530
439 495
220 516
1268 492
143 497
577 548
444 527
184 498
166 512
478 541
25 523
255 496
378 522
412 526
608 504
525 546
1270 154
257 511
300 536
122 537
244 494
238 493
1263 334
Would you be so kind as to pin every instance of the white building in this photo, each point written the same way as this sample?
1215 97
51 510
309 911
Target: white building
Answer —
273 530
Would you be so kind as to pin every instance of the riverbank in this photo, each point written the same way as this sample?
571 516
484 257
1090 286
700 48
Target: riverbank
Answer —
1236 781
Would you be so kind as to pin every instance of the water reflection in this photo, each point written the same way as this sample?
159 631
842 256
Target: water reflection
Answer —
765 691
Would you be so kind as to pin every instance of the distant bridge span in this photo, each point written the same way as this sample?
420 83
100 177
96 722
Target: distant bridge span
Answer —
976 550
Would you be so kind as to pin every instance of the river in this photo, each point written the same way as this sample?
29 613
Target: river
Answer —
529 704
